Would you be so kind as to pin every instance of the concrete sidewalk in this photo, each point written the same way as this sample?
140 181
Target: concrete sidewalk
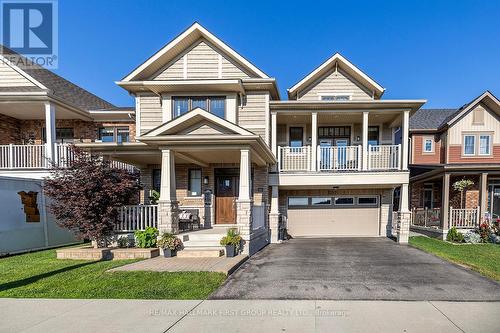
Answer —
43 315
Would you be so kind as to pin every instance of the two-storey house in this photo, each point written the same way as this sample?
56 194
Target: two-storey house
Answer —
212 134
448 146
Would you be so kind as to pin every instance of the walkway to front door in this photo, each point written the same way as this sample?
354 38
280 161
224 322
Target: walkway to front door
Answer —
355 269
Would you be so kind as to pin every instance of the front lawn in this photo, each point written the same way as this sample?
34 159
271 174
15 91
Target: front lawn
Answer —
483 258
41 275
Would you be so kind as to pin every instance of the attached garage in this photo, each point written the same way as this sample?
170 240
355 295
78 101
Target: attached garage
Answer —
334 216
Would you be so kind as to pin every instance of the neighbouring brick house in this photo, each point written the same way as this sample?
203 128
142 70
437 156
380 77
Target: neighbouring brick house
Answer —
34 99
448 145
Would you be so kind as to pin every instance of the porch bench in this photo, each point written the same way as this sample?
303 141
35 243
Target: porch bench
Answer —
189 219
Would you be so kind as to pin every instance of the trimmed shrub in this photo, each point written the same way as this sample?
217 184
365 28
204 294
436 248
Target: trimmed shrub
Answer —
454 236
472 237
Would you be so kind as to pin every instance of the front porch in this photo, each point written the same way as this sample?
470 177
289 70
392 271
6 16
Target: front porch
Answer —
437 206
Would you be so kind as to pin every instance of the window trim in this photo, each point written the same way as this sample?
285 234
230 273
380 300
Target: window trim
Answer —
190 103
464 145
424 140
190 193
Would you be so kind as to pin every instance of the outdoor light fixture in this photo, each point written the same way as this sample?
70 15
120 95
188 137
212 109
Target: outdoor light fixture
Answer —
205 180
358 138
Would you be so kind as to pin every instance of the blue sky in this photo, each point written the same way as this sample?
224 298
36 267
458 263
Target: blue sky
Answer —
447 52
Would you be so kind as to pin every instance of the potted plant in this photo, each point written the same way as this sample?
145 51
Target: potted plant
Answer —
170 244
232 242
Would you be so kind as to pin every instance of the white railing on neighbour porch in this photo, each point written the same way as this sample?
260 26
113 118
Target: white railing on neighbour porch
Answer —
34 157
339 158
464 218
384 157
425 217
22 157
137 217
258 217
294 158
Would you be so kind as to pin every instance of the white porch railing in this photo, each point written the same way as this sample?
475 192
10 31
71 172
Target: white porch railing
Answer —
137 217
34 157
339 158
464 218
294 158
384 157
425 217
258 217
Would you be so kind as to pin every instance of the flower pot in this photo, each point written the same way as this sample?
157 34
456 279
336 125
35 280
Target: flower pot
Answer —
230 251
167 253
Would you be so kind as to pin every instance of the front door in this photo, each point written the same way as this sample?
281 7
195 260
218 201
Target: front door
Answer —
226 192
326 157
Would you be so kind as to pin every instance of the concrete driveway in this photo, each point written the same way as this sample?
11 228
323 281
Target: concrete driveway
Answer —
353 269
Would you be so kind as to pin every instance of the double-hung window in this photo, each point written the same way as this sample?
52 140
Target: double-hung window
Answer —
469 144
114 134
212 104
484 144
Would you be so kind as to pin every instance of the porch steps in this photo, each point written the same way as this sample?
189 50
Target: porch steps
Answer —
201 252
202 244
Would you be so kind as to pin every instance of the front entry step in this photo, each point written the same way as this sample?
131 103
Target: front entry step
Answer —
201 252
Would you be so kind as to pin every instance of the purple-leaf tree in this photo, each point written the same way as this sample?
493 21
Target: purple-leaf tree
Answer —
85 195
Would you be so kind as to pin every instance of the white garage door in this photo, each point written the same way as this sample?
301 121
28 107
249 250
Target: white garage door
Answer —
333 216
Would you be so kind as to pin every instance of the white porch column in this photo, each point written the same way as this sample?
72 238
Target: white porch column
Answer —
50 130
274 214
365 140
244 201
404 216
314 141
404 144
483 195
274 135
167 204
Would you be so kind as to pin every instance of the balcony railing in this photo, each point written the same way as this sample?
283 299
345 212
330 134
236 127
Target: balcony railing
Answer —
339 159
35 157
465 218
426 217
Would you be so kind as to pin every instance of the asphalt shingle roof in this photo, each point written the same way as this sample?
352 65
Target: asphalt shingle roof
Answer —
431 118
61 87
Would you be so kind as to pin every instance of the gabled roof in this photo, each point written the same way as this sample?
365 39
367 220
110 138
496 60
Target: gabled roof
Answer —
179 44
190 119
439 119
337 60
46 80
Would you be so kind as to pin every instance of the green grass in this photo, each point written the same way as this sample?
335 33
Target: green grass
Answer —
482 258
41 275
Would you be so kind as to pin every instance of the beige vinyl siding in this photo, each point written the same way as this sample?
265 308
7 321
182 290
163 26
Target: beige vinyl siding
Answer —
174 71
335 82
9 77
231 70
202 62
252 115
490 124
150 112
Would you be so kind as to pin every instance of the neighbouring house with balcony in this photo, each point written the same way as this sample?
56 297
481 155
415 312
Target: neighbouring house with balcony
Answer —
449 145
41 113
214 138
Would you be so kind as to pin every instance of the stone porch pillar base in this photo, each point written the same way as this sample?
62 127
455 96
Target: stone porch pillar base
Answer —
168 216
244 221
274 227
404 227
